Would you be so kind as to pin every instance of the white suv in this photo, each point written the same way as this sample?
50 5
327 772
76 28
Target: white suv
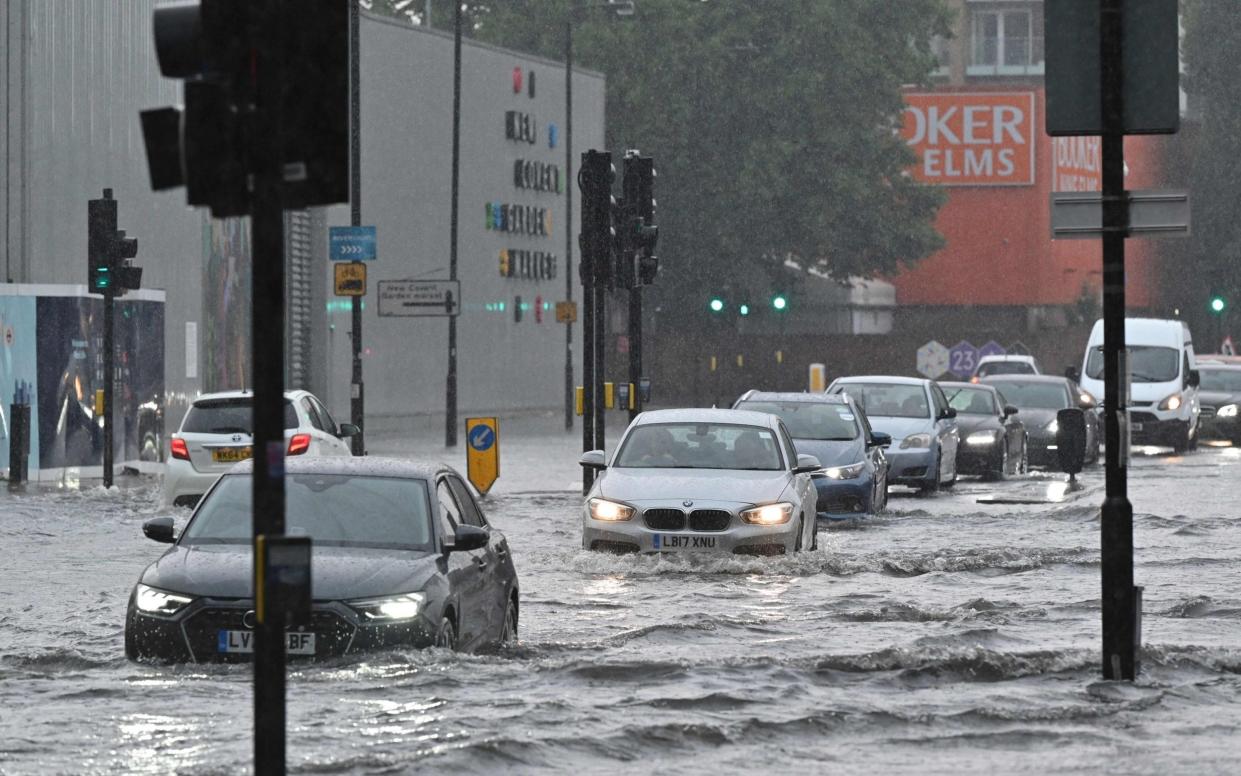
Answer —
217 432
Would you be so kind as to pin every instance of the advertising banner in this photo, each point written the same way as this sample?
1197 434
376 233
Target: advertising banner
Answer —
971 139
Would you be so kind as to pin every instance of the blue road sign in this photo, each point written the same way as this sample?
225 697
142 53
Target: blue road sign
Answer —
482 438
992 348
351 243
962 359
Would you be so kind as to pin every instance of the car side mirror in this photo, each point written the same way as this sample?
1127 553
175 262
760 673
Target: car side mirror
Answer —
1193 379
1086 401
880 439
348 430
1073 373
1010 410
595 459
468 537
948 414
159 529
807 464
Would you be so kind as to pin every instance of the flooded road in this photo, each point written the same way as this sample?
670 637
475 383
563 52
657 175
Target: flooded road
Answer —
947 636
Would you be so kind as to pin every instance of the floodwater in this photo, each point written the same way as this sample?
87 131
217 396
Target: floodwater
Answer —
947 636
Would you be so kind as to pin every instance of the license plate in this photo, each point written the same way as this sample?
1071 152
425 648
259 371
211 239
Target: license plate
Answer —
242 642
231 454
1135 426
678 542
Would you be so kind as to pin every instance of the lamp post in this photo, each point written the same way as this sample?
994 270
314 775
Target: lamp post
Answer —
620 8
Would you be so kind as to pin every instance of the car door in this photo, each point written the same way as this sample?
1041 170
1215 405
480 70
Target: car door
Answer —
945 429
499 576
466 577
803 486
875 454
337 445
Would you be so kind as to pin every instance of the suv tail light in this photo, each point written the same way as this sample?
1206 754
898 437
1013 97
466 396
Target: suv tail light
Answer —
179 449
298 444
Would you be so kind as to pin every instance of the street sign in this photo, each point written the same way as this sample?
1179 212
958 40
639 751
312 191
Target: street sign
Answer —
1151 89
932 359
482 455
566 312
351 243
962 359
1079 214
350 279
419 298
992 348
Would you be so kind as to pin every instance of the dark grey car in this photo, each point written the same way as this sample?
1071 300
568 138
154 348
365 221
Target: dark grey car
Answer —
403 557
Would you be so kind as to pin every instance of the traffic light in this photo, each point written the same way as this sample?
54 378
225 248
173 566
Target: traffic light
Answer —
108 250
284 60
779 302
597 237
1218 305
639 228
716 305
743 310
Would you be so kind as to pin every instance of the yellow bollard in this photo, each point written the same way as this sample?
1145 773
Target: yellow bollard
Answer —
609 396
579 400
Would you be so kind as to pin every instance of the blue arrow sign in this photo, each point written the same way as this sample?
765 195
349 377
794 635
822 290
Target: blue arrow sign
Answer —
351 243
482 438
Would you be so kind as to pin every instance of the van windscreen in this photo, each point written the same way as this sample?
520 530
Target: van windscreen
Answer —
1147 364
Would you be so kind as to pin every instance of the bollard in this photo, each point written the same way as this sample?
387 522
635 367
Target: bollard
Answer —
19 443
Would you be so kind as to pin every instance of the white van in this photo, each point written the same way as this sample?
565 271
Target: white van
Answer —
1163 406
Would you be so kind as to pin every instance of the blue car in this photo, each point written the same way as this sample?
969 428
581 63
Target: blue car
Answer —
854 479
915 413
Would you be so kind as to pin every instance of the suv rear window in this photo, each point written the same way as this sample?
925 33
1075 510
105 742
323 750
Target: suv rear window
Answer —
228 416
1005 368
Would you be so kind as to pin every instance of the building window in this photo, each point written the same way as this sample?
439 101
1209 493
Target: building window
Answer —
1006 42
942 51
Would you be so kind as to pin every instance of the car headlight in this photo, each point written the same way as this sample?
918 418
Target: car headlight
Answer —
982 438
771 514
1173 402
602 509
1227 411
850 472
916 440
159 602
1053 426
391 608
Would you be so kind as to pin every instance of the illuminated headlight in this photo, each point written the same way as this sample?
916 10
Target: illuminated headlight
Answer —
916 440
397 607
850 472
1053 426
982 438
771 514
158 602
1227 411
1173 402
602 509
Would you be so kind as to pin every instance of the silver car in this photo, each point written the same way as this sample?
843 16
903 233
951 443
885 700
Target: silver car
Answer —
702 480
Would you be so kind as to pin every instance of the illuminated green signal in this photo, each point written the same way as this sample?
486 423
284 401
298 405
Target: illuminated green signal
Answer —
1218 304
779 302
716 304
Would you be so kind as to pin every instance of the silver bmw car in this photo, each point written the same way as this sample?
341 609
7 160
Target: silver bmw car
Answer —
702 480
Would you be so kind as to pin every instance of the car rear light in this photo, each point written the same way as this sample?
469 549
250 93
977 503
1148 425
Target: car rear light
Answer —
299 443
180 449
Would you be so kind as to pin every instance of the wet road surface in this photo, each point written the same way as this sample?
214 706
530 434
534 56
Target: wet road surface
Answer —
946 636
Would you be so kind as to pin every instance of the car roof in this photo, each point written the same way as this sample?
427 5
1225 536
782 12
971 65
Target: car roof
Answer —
366 466
794 397
1007 357
885 379
707 415
244 393
980 386
1025 379
1213 363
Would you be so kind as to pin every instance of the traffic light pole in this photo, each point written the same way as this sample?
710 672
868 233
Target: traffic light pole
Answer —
109 380
357 404
601 366
1121 600
568 220
450 413
588 367
635 350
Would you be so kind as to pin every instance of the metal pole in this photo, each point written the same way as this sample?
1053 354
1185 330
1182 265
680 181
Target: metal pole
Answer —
267 361
568 218
588 364
635 348
109 377
601 297
1121 610
357 405
450 414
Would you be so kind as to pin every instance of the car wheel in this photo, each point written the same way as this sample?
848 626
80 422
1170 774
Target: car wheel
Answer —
932 486
1001 472
1181 443
508 635
801 531
1023 466
446 637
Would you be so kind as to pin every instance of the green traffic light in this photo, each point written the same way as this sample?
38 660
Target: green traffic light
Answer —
779 302
1217 304
744 309
717 304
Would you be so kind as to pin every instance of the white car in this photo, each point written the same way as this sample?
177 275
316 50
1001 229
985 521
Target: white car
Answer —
1005 365
217 432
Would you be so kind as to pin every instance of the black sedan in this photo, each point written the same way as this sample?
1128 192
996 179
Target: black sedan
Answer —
993 440
1039 398
402 557
1220 396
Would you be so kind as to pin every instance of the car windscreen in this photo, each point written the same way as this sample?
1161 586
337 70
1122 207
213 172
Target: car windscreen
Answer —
1147 364
228 416
889 400
1039 396
1005 368
334 510
1220 380
699 446
806 420
971 401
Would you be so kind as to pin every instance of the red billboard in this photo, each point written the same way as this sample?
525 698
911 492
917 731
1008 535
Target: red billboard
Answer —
971 138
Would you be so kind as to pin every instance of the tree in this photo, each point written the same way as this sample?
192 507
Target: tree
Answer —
773 125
